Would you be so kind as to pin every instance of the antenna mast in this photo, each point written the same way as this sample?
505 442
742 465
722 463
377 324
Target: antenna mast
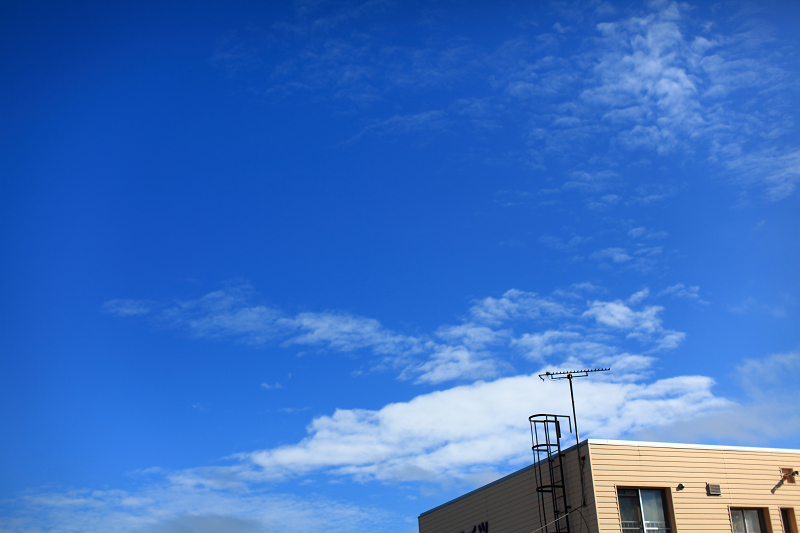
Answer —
569 374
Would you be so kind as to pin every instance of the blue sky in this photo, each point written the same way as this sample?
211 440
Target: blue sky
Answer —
296 266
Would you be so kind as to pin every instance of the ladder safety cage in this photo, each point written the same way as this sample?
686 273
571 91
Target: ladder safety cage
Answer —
548 460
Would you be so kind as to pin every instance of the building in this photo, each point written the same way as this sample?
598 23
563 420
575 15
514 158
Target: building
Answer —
633 487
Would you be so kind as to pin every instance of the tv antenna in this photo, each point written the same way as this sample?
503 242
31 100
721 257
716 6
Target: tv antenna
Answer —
569 374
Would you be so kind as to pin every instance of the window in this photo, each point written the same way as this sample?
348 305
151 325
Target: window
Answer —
748 521
643 511
788 520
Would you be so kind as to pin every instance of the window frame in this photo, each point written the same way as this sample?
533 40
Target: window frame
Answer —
666 503
792 518
763 518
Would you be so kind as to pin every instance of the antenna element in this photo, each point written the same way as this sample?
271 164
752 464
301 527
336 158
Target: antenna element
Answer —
569 374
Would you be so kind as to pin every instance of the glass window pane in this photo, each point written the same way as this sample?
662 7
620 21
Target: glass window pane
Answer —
751 521
653 506
786 518
737 517
630 513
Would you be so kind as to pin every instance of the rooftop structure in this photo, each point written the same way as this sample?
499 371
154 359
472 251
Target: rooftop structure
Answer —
601 486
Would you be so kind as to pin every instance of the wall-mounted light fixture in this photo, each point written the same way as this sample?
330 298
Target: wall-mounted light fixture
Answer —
680 486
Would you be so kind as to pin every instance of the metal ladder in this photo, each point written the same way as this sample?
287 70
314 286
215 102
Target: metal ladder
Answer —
548 468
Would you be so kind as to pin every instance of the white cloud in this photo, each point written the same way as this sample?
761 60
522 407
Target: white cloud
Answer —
618 315
576 290
629 367
637 297
472 335
569 344
670 340
771 378
346 333
516 304
641 259
456 362
768 416
470 433
465 430
226 313
432 436
644 325
464 433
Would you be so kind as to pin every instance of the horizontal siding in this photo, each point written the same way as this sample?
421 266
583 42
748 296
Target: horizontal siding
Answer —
511 506
745 477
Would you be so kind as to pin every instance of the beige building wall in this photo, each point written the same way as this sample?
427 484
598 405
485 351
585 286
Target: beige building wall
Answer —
748 478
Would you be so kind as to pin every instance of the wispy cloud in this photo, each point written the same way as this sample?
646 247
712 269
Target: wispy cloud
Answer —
642 259
638 257
641 231
751 304
516 304
170 508
456 362
682 291
402 124
775 169
568 344
650 80
485 344
558 243
617 255
128 307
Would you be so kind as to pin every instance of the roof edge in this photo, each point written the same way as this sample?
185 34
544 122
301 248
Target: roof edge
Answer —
645 444
609 442
496 481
